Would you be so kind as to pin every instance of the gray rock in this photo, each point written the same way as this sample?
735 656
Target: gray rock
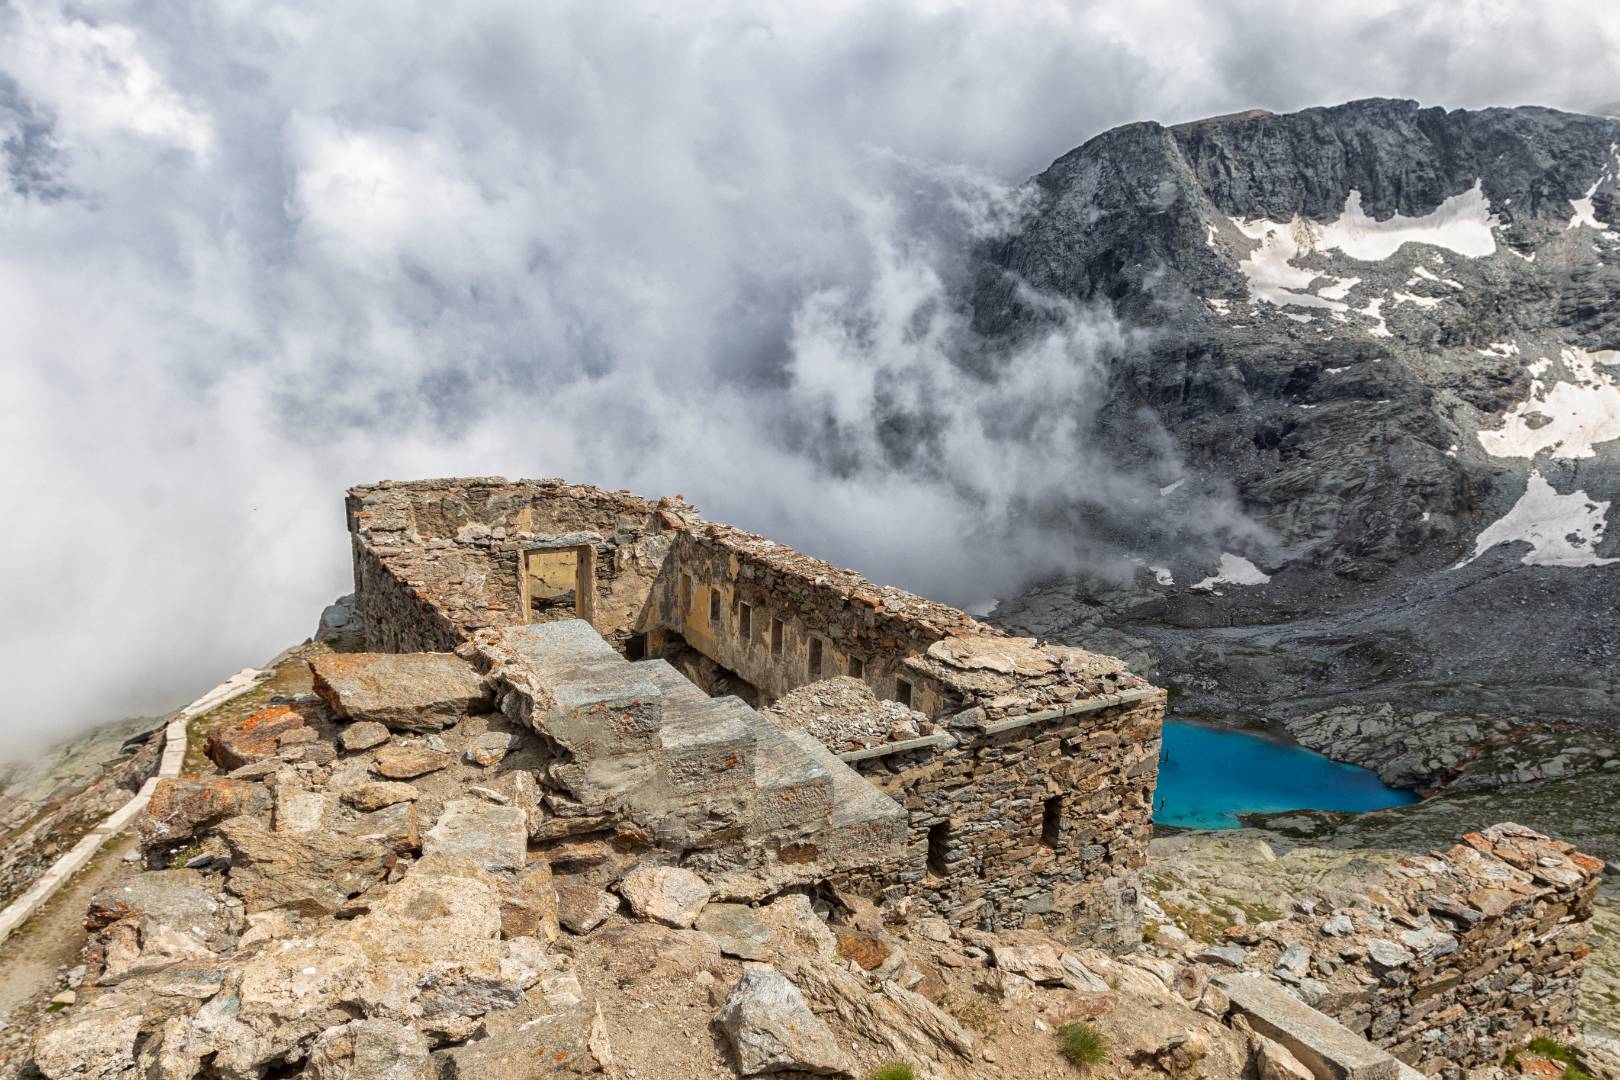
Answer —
339 621
363 735
1387 954
490 748
736 930
376 794
97 1043
494 837
1231 956
1338 926
370 1050
665 894
1294 963
419 692
771 1029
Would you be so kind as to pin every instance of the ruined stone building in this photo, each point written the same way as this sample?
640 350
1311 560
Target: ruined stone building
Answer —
769 718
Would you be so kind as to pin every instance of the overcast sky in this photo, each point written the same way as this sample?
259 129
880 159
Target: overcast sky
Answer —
255 252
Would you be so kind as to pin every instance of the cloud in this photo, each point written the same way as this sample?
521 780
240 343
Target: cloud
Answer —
255 253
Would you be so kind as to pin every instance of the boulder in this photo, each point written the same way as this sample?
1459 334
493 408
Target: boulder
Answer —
95 1043
185 898
376 794
182 807
737 930
313 873
555 1032
582 906
393 826
529 904
665 894
408 762
370 1050
891 1015
1039 962
403 691
771 1029
298 811
363 735
1294 963
494 837
258 737
340 621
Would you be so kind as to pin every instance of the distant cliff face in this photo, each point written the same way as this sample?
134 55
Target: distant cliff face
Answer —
1395 331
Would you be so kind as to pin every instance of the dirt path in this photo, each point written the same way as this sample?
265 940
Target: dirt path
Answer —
33 958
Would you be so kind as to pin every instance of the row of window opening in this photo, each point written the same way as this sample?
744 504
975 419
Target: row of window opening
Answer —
855 667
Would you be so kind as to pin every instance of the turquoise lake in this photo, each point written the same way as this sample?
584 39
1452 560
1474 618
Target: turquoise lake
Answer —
1212 775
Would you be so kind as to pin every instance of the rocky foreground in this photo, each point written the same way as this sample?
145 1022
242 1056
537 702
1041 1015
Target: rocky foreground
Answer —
366 882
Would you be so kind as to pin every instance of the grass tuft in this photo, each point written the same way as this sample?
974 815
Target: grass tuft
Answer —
894 1070
1083 1044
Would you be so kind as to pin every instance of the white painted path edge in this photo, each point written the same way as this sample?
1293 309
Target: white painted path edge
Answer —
174 755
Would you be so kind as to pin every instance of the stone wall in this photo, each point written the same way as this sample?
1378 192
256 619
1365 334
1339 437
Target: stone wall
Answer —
1044 825
1449 960
1027 777
438 560
800 613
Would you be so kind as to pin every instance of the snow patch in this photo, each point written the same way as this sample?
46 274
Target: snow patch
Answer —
1374 311
1234 570
1219 306
1585 213
1499 348
1562 530
1462 223
1412 298
1568 418
1426 274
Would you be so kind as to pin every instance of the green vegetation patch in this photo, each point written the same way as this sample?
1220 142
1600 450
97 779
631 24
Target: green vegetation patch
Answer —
1083 1044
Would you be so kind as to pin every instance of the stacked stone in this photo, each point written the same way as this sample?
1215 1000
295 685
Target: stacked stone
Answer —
1448 960
1006 863
1043 787
436 561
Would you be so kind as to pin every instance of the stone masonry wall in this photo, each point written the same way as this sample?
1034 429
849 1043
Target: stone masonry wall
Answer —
438 560
1449 960
1030 805
859 629
1044 826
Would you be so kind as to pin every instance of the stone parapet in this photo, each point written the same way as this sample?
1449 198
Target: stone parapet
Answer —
1448 960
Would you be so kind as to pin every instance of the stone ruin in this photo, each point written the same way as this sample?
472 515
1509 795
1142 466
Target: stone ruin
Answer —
999 782
615 768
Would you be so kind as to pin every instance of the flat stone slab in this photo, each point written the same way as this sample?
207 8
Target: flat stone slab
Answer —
405 762
376 794
254 739
1322 1044
737 930
494 837
402 691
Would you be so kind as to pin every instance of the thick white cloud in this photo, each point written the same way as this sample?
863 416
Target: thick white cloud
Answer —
256 252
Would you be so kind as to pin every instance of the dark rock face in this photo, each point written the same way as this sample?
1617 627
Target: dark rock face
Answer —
1391 331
